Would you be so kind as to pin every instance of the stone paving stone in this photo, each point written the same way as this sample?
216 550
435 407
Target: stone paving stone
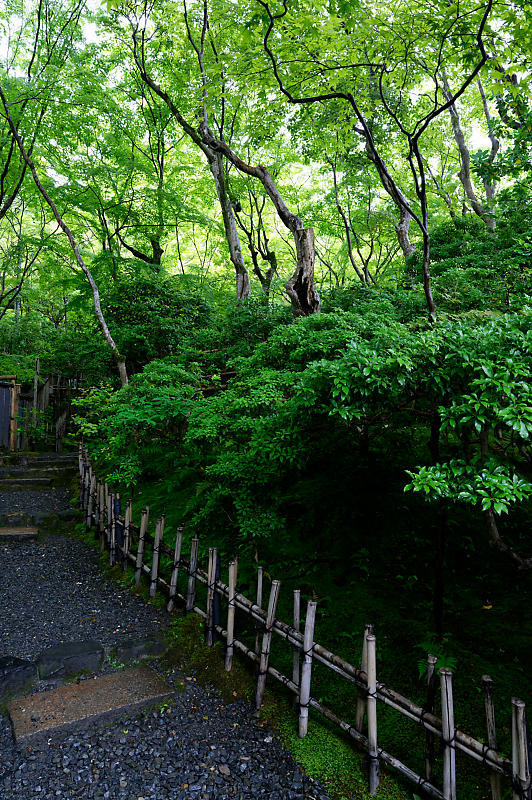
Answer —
70 658
37 716
14 533
16 674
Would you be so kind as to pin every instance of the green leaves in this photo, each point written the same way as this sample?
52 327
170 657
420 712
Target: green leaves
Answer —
484 484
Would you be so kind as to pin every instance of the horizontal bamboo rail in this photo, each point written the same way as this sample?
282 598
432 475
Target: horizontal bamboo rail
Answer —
516 770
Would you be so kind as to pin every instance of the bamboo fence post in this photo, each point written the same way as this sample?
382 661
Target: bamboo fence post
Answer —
86 478
193 565
81 463
175 569
35 391
101 515
295 649
211 578
90 498
159 530
112 530
361 699
447 718
520 766
119 530
127 535
515 753
216 600
487 688
260 577
96 506
372 713
82 485
140 550
230 616
108 507
306 668
266 643
429 707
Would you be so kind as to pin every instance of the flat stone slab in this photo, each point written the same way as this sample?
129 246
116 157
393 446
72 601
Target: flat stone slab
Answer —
67 659
39 715
16 674
18 534
137 649
15 481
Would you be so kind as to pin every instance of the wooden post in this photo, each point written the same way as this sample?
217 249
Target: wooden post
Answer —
127 535
447 718
216 599
487 689
140 550
211 580
112 530
429 707
372 713
193 565
266 643
295 649
108 506
230 616
520 766
260 572
81 482
175 569
90 501
13 422
159 530
85 487
101 515
306 668
361 700
119 529
96 506
35 391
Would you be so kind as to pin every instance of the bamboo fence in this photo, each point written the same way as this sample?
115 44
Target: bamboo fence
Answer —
126 543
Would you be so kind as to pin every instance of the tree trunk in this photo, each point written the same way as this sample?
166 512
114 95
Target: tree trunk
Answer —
403 227
431 305
499 544
300 288
120 360
243 287
465 162
402 230
157 252
491 188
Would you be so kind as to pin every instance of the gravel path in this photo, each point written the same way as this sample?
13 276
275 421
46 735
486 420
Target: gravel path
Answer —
35 501
197 748
53 592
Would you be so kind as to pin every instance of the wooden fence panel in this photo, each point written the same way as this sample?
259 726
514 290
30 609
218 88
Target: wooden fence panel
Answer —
305 649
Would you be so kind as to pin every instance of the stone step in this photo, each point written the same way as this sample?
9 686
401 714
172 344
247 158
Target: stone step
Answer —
37 471
62 458
22 520
38 716
18 534
29 459
19 480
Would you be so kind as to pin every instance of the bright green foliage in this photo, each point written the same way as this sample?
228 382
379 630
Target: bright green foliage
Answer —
242 442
